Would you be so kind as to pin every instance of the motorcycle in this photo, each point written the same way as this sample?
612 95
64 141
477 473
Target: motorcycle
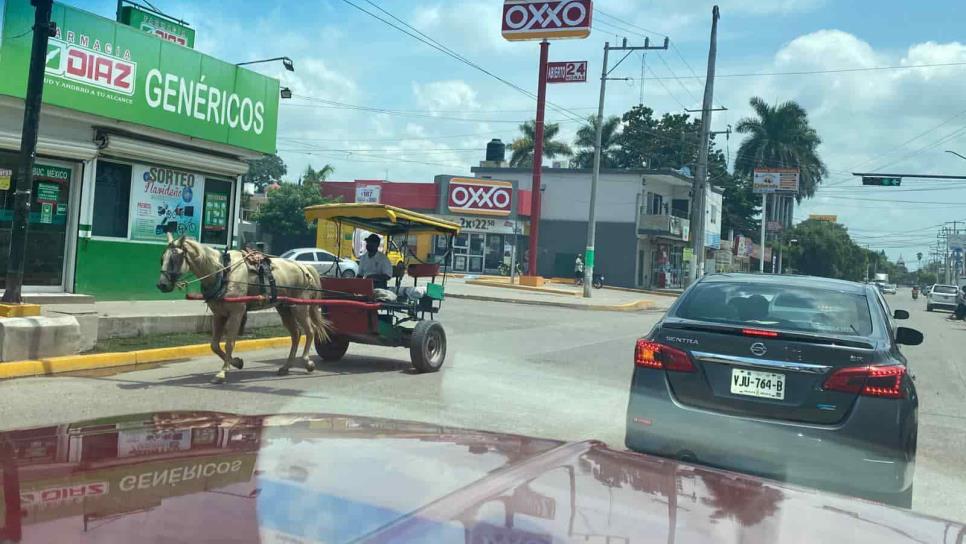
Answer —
597 283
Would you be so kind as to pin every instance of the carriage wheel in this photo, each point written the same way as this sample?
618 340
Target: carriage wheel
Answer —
427 346
333 350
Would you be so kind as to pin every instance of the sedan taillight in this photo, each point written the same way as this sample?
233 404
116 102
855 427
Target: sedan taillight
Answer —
650 354
869 381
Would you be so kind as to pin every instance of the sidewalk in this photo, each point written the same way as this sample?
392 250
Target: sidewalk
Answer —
124 319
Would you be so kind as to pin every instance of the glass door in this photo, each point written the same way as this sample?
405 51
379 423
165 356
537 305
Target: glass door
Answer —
475 253
460 249
48 220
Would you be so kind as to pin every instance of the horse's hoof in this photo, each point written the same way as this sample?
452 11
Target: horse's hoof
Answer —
309 365
219 378
237 363
283 371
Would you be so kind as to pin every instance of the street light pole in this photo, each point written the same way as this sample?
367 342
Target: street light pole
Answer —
286 62
589 256
43 29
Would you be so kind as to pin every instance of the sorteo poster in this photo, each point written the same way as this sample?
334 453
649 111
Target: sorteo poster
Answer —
160 196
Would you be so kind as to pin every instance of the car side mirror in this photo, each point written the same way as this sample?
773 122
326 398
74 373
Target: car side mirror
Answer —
908 337
900 314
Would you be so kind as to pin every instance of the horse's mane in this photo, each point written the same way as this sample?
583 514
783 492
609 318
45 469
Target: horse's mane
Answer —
206 254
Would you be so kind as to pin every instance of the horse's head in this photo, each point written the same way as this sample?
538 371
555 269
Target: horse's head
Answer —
173 264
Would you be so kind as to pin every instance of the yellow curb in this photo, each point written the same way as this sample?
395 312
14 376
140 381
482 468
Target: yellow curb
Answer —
73 363
548 290
19 310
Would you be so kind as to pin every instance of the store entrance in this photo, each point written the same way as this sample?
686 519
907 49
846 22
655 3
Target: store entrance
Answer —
468 253
48 220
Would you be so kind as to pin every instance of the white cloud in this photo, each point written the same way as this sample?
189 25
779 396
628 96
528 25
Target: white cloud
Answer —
445 96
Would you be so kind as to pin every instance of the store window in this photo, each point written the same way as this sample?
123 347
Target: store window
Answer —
112 198
47 222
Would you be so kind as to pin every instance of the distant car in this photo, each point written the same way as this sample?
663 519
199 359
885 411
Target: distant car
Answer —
782 377
324 262
889 288
941 296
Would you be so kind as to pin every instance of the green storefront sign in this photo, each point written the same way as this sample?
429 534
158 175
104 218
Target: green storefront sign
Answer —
102 67
158 26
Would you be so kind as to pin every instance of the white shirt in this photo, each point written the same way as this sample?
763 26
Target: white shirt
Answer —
377 264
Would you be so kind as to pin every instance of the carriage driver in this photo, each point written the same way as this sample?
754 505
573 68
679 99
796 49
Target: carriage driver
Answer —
373 262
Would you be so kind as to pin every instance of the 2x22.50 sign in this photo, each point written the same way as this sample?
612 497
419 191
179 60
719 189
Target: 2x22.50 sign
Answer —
546 19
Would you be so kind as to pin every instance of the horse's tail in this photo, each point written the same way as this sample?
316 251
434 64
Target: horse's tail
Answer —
320 324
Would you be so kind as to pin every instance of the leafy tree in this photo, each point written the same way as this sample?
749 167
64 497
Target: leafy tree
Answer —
826 249
264 171
781 136
586 142
523 146
282 215
668 142
315 177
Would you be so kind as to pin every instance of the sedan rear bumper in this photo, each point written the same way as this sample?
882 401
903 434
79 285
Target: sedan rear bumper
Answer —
863 455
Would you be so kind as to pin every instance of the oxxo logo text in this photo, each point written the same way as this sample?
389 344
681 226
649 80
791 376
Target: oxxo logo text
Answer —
530 19
90 67
480 196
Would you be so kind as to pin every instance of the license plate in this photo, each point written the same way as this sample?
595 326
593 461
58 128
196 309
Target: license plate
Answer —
757 384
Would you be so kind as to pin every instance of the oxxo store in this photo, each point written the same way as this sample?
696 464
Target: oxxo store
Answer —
137 134
493 216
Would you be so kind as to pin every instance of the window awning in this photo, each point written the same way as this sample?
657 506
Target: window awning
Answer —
50 147
139 150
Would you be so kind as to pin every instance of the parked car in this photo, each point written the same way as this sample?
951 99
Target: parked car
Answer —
324 261
941 296
889 288
781 376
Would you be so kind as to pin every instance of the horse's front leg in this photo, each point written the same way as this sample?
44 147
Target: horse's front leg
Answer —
232 327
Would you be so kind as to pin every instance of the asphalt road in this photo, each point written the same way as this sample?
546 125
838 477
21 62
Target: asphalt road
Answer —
513 368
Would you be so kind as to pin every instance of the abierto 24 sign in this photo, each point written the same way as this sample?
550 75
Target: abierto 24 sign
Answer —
98 66
546 19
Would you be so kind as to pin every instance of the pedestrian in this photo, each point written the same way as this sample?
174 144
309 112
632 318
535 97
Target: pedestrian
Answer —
578 270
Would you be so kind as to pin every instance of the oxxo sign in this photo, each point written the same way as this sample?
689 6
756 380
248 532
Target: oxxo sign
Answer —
480 196
540 19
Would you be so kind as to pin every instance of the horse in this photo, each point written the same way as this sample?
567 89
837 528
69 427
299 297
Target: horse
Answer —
220 279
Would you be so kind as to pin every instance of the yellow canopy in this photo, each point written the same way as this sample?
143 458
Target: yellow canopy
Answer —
380 218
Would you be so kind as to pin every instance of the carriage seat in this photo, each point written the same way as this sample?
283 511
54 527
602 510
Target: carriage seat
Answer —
347 287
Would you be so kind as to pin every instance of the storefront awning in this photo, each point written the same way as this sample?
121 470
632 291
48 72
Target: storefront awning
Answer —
54 148
140 150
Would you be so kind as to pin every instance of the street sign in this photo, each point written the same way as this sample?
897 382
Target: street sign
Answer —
956 241
775 180
774 226
162 27
546 19
572 71
829 218
881 181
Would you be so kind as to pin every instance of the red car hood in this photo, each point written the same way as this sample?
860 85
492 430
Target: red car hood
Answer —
201 477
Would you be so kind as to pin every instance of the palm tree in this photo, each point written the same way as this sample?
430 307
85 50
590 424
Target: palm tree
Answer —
523 146
587 138
312 175
780 136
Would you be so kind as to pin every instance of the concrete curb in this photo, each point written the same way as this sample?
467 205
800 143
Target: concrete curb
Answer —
73 363
636 306
645 291
547 290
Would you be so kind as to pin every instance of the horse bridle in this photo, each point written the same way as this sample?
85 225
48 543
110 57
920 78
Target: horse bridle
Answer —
175 262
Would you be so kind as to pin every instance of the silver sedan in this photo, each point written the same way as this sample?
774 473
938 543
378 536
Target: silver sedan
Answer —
326 263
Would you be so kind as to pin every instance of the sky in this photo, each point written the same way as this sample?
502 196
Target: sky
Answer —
426 113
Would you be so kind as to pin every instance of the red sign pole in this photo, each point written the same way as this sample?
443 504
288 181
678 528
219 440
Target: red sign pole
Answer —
537 160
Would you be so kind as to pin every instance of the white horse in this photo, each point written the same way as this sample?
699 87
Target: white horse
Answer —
293 280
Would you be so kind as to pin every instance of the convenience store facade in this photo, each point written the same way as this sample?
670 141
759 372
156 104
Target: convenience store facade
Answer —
135 133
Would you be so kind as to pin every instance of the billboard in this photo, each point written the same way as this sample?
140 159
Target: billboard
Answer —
101 67
571 71
162 27
775 180
546 19
369 194
160 196
820 217
479 196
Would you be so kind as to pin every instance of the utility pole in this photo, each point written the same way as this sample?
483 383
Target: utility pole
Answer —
595 177
764 220
701 177
43 29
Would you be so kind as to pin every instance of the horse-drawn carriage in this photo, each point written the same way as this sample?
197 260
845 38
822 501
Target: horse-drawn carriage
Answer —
399 315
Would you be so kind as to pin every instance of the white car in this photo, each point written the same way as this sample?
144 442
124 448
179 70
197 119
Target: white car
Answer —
889 288
942 296
324 262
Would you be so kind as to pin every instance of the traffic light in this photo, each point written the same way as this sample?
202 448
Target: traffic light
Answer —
881 181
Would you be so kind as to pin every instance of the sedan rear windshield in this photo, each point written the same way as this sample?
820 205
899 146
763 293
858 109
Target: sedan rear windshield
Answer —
944 289
784 307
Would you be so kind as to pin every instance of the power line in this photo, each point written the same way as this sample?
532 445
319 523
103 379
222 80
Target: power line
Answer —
830 71
666 90
387 160
416 115
402 139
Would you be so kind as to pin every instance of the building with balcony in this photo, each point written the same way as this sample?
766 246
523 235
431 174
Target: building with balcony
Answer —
643 223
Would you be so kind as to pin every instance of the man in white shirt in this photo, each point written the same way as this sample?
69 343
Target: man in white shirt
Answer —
375 263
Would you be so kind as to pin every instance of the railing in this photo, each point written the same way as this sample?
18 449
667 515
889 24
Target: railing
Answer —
664 225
